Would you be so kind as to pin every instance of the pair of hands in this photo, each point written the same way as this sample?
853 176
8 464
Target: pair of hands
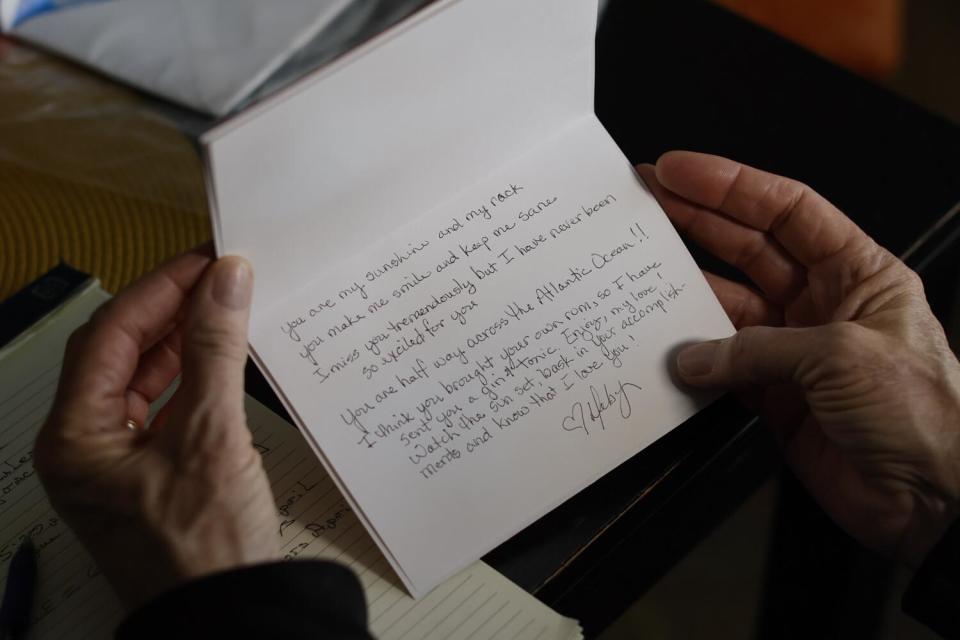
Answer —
836 347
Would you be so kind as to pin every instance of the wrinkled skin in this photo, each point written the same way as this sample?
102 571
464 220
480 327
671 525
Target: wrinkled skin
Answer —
836 347
189 496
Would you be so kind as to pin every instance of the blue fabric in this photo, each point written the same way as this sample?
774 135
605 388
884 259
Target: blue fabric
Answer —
32 8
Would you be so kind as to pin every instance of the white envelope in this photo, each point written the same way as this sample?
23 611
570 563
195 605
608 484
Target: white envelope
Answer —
205 54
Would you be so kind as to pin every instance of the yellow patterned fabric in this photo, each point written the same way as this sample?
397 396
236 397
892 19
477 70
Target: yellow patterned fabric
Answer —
88 175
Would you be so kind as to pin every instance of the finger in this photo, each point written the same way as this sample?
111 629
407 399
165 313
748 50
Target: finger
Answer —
754 356
752 251
164 413
803 222
214 342
103 355
158 368
744 306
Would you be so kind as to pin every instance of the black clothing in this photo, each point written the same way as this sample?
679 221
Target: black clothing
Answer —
302 599
317 599
933 596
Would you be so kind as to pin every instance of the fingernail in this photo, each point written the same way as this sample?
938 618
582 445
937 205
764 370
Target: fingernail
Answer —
233 284
697 360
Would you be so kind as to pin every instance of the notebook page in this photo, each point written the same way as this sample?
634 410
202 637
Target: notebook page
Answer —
316 521
75 601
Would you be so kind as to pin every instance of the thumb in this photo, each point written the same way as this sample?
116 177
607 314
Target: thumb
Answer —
754 356
214 343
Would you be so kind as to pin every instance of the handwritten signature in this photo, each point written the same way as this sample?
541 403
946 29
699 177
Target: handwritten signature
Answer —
586 415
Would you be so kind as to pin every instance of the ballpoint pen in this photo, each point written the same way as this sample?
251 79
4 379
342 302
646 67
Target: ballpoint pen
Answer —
18 594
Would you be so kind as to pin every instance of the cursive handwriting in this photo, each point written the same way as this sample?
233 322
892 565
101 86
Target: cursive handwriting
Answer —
584 415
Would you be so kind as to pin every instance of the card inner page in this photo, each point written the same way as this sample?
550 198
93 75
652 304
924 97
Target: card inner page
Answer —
467 373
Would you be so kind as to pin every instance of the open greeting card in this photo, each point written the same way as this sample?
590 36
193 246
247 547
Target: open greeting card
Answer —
466 297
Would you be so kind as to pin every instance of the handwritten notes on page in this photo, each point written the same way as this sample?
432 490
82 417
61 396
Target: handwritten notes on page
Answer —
316 521
74 601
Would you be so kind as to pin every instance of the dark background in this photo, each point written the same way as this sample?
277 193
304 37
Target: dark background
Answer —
736 582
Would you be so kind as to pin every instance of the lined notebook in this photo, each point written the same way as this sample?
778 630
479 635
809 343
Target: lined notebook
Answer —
74 600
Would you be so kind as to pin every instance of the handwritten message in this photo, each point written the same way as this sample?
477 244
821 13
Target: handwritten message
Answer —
469 368
448 365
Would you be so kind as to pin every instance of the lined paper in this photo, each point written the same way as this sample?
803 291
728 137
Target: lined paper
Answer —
316 521
75 601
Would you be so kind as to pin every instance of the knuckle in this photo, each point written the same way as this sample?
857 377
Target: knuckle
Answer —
209 448
217 449
102 316
790 191
845 340
912 281
220 342
742 353
845 349
750 252
745 339
785 196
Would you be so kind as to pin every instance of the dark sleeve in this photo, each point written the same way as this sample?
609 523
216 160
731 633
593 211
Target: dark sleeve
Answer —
933 596
298 599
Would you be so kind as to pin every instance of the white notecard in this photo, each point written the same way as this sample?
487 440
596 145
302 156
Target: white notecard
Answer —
468 301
